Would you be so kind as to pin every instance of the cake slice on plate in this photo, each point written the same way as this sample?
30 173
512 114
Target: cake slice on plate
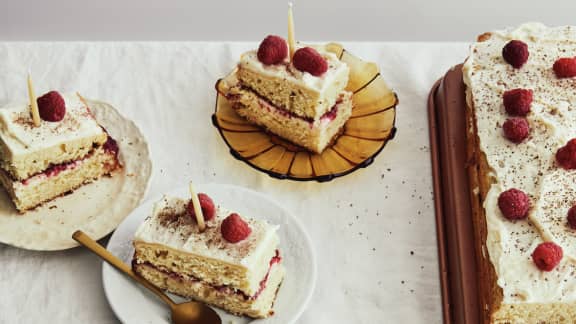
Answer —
302 99
66 150
233 264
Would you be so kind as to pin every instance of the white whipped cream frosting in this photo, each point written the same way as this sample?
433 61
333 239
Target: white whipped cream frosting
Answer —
22 137
183 235
337 70
529 166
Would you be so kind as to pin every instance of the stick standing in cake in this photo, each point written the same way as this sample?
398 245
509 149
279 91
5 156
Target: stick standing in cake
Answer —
197 209
291 35
33 103
297 93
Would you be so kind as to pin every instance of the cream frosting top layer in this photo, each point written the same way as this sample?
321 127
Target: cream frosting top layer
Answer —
338 71
171 225
529 166
21 137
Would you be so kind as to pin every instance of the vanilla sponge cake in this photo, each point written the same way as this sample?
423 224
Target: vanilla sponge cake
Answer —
297 92
241 277
313 134
40 163
517 291
26 150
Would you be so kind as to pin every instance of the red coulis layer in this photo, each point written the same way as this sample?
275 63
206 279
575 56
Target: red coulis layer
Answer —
111 146
53 170
275 259
222 288
330 114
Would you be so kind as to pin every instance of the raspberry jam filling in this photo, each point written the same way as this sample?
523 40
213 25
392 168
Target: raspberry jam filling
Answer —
54 170
222 288
327 117
264 103
110 147
332 113
275 259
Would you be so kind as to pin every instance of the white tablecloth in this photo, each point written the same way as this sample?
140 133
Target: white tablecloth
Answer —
373 230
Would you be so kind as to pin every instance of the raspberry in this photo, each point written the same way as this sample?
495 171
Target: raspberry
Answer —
516 129
309 60
565 67
51 106
234 229
514 204
572 217
272 50
517 101
516 53
547 255
207 205
566 155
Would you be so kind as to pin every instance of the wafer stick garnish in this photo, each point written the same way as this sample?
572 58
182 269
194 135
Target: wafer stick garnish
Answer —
197 209
291 38
33 102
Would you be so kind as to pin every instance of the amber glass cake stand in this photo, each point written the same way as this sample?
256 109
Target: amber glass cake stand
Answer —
363 137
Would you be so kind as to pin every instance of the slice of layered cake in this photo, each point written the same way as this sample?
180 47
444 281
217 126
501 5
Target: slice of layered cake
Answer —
300 99
234 264
66 150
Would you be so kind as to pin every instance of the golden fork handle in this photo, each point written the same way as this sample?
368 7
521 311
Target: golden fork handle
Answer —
99 250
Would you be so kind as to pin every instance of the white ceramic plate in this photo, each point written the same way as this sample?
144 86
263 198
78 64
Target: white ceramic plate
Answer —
134 304
96 208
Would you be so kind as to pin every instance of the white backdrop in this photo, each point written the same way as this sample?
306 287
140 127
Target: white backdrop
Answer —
356 20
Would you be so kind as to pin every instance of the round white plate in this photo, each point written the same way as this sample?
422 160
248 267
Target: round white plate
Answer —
96 208
134 304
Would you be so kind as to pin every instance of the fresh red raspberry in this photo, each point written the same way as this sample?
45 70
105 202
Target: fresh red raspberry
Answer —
515 53
51 107
516 129
307 59
517 101
514 204
565 67
572 217
547 255
234 229
272 50
566 155
207 205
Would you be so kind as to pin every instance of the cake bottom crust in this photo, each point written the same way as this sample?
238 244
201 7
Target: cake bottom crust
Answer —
59 180
556 313
236 303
